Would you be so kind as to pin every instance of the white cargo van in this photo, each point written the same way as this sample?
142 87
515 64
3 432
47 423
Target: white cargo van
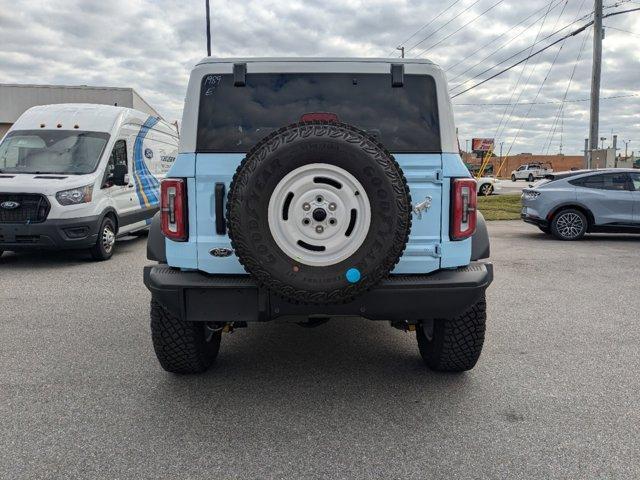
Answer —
79 176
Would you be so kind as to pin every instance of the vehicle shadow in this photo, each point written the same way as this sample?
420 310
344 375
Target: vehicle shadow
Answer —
588 238
50 258
347 365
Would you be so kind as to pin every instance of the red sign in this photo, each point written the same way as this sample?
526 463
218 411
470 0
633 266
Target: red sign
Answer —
482 144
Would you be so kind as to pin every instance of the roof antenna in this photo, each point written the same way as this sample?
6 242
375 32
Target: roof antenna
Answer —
208 31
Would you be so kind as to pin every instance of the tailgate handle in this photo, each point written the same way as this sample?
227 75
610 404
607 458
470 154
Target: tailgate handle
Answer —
221 225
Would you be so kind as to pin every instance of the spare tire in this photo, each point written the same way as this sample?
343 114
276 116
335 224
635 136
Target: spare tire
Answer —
319 212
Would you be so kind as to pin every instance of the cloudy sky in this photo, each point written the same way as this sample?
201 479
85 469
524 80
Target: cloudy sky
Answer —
151 45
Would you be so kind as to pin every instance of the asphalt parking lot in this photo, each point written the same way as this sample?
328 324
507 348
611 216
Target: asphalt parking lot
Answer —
556 393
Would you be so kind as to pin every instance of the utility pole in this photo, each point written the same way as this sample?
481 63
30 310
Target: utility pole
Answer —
596 71
401 51
208 30
587 155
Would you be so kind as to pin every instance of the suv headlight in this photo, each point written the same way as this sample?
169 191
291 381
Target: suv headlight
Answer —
530 194
75 196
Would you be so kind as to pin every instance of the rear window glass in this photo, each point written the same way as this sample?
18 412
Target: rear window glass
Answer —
234 119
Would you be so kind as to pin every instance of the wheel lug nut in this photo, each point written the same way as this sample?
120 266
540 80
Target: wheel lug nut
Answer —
319 229
306 207
332 206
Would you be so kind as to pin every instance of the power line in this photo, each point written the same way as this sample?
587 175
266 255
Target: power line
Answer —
500 36
571 34
552 130
524 50
501 126
462 27
426 25
552 102
621 30
466 9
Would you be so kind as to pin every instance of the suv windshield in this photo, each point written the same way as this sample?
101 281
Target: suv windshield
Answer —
51 151
234 119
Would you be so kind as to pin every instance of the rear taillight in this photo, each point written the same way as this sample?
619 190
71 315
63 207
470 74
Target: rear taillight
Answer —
173 209
463 208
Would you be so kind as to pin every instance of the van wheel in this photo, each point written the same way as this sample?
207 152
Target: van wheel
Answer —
182 347
569 224
103 248
513 177
453 345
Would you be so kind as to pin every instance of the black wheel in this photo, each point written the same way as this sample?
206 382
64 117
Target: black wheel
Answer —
183 347
546 230
319 212
453 345
569 224
530 178
513 177
103 248
486 189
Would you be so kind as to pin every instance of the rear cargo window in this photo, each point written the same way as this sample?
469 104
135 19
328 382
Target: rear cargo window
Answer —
233 119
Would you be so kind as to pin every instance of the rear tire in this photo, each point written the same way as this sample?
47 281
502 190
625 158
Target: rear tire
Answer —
546 230
453 345
530 178
182 347
569 224
103 248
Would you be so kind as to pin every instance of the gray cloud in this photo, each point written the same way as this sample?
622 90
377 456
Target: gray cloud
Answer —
151 46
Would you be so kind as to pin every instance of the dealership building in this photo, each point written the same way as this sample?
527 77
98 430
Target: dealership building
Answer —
15 99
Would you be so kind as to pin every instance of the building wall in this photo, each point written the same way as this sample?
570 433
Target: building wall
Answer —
558 162
3 128
16 99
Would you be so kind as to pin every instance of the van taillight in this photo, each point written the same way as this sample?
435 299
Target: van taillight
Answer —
173 209
463 208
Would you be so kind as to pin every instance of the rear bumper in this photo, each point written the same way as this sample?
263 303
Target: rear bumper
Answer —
193 296
539 222
50 234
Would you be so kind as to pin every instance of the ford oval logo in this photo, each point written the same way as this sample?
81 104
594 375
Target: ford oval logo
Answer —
148 153
9 205
221 252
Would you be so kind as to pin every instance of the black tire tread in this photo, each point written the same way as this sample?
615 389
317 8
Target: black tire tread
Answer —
180 346
280 289
457 342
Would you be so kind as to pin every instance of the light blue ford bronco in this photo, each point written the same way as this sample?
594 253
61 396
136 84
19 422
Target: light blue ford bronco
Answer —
315 188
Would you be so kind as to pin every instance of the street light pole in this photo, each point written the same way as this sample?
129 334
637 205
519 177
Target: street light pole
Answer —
208 29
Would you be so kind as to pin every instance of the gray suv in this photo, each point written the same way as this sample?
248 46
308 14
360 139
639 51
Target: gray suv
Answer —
570 204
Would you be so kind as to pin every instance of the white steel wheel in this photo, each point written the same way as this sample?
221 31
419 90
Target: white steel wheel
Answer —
319 214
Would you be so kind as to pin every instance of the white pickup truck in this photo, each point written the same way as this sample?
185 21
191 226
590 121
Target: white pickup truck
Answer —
530 172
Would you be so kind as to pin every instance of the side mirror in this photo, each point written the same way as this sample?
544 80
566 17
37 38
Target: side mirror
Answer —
119 175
